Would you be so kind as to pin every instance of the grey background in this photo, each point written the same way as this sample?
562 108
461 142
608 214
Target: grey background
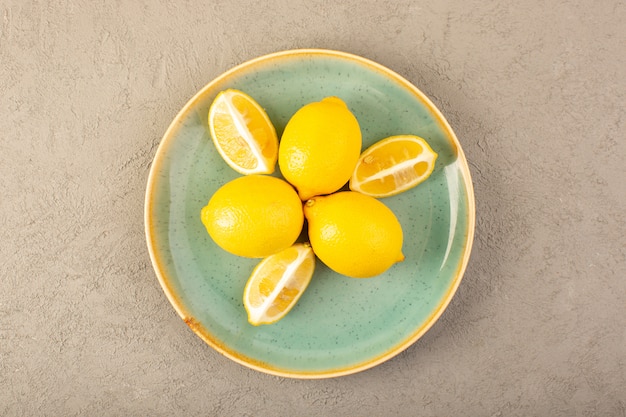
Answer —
535 91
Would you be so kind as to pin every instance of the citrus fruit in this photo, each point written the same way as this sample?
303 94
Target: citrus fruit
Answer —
354 234
254 216
319 147
393 165
277 283
243 133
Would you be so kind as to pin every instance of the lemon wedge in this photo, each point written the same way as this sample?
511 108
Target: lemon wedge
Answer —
277 283
243 133
393 165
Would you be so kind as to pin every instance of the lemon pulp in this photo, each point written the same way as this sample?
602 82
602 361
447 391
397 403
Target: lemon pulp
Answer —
243 133
393 165
277 283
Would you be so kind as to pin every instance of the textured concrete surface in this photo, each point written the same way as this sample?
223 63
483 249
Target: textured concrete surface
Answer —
535 91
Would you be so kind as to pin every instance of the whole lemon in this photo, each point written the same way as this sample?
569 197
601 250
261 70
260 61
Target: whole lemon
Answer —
354 234
254 216
320 147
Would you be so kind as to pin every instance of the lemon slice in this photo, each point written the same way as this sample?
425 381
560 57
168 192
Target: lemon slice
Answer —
243 133
393 165
277 283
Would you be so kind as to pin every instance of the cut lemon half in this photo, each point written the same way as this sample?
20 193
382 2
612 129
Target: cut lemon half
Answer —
277 283
393 165
243 133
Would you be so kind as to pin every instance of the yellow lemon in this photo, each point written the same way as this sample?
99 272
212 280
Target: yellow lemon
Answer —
393 165
254 216
354 234
277 282
243 133
320 147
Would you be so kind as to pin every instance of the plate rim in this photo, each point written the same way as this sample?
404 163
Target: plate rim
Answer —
252 363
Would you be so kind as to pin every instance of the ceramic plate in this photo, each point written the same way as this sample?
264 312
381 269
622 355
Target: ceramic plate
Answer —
340 325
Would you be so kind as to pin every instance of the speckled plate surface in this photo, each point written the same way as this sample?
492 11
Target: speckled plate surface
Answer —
340 325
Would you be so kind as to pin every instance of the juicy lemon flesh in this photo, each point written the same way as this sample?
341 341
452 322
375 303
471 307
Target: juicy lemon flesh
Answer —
393 165
254 216
354 234
320 147
277 283
243 133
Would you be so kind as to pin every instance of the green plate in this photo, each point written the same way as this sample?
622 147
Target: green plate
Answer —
340 325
